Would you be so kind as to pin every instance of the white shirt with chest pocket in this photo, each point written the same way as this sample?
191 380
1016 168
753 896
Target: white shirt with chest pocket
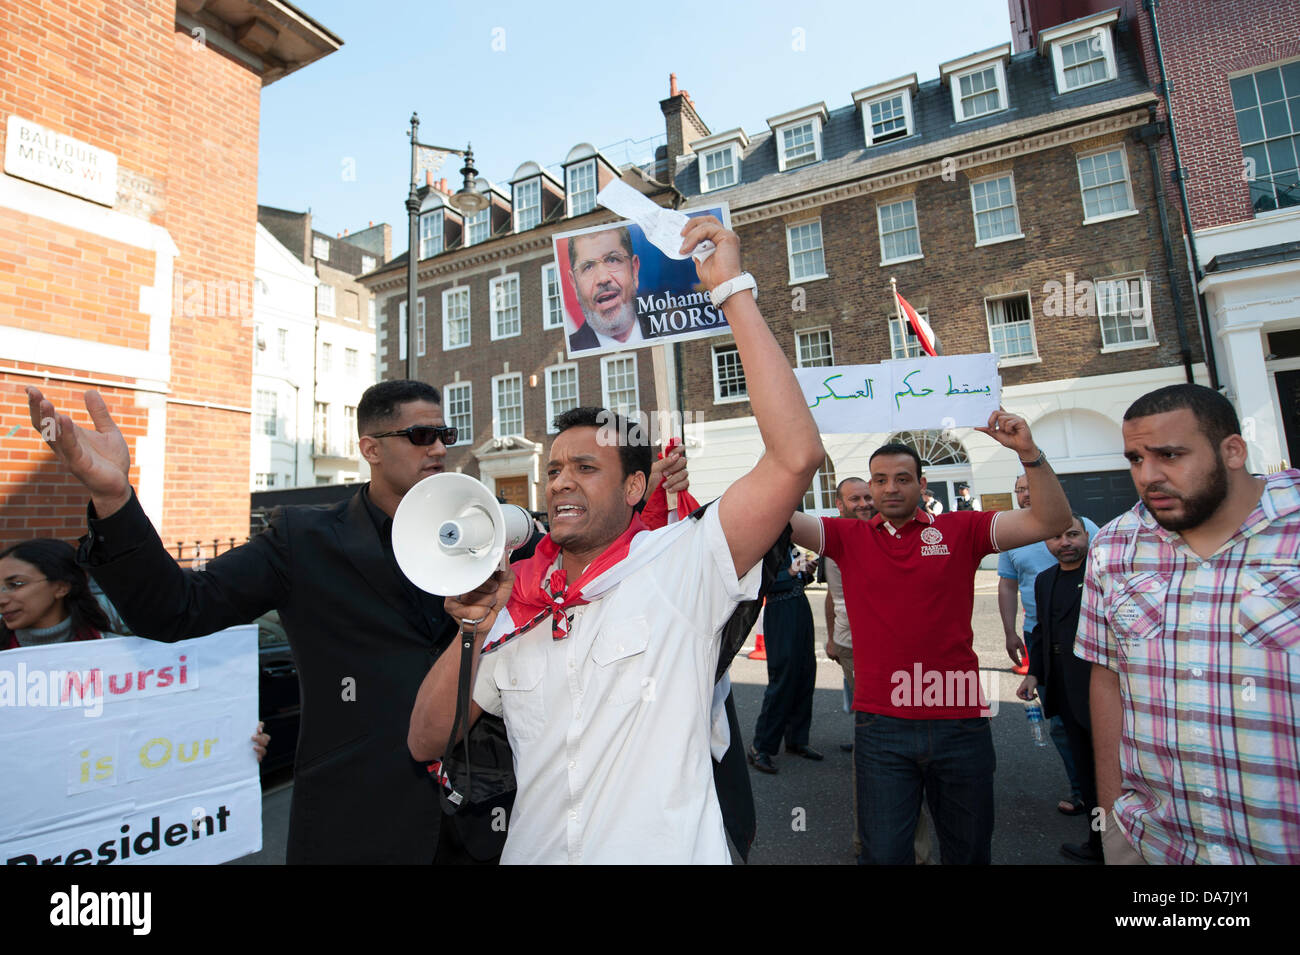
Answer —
610 727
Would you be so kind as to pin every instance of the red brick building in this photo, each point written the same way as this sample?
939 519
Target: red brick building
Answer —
1013 197
1229 80
128 210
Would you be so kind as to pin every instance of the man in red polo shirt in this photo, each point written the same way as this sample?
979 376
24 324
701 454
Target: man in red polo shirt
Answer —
921 724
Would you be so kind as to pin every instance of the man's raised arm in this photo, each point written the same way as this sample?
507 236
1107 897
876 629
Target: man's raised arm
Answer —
1048 513
756 508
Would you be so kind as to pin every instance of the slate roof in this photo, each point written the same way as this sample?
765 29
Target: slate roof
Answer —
845 155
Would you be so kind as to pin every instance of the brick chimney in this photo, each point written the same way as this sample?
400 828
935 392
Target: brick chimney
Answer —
682 123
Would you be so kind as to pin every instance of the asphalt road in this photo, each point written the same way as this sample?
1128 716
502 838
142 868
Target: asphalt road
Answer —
804 811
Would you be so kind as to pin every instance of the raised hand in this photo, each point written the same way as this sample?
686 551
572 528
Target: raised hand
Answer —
1011 431
724 263
99 459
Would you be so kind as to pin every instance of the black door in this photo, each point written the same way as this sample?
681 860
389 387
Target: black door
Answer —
1100 495
1288 398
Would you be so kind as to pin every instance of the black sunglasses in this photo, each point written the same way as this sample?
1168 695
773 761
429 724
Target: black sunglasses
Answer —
423 435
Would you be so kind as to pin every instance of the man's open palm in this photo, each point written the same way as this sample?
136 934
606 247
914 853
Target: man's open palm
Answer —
99 459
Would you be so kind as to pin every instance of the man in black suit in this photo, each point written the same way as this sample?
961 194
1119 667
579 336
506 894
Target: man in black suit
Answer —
605 275
1058 592
362 635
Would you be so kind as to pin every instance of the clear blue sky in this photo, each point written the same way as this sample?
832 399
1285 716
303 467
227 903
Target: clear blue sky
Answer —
527 82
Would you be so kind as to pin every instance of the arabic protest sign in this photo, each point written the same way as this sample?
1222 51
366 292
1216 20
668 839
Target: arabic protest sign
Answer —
620 291
915 394
129 751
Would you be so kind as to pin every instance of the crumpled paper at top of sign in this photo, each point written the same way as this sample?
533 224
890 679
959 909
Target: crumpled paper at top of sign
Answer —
662 227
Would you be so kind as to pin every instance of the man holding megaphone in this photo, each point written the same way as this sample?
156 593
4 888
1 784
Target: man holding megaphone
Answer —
600 651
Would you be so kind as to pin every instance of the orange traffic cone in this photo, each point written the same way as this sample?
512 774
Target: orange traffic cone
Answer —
760 649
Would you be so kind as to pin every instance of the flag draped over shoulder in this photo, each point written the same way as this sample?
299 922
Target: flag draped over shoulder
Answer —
919 325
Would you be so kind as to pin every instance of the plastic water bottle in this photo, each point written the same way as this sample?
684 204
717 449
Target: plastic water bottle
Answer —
1034 713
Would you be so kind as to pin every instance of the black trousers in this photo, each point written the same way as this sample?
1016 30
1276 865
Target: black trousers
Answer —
791 673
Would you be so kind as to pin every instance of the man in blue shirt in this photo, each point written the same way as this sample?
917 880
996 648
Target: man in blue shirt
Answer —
1017 570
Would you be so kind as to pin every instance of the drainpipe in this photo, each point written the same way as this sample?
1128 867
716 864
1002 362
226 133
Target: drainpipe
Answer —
1207 337
1150 134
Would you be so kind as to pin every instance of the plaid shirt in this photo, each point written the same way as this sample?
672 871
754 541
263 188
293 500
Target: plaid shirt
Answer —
1208 657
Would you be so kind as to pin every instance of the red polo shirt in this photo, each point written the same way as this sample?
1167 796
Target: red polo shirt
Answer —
910 595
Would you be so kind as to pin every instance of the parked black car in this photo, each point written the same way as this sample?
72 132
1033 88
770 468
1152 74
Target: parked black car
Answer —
277 689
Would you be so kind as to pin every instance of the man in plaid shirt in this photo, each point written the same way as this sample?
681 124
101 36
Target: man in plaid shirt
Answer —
1191 617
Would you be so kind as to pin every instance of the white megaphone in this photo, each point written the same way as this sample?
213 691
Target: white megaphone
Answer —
450 534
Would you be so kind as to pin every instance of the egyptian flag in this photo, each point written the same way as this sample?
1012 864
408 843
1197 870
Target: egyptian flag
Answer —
657 513
919 325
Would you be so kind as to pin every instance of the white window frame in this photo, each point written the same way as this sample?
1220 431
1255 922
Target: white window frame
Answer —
551 412
880 231
495 312
901 324
429 237
350 431
325 300
1146 308
798 343
909 126
479 219
368 263
282 346
790 253
1000 84
1015 205
605 362
421 336
570 194
450 394
446 328
326 358
497 381
1008 361
552 312
263 480
266 409
350 361
782 159
1132 209
734 147
718 399
518 206
320 248
320 431
401 330
1058 45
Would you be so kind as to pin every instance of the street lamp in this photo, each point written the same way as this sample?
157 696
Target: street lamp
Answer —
467 201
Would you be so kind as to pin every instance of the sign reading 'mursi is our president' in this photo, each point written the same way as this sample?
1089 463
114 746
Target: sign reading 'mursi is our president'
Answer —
52 159
619 291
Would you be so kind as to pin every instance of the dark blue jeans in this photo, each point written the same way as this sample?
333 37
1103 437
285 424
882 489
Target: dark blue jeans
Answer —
1061 740
950 761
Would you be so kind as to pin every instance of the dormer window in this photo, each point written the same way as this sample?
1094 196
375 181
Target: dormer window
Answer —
320 248
1082 51
887 110
430 233
721 168
528 204
478 227
798 136
580 187
719 159
978 83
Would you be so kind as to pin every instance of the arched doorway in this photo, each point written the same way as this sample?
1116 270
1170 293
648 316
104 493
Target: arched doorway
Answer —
943 459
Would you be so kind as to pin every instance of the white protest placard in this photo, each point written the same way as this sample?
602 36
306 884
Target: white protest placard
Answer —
910 394
130 751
